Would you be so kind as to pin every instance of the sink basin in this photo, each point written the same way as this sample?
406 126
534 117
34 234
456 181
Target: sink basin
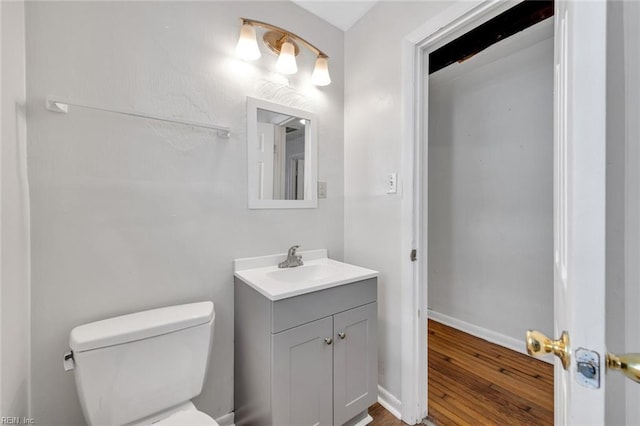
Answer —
305 273
317 273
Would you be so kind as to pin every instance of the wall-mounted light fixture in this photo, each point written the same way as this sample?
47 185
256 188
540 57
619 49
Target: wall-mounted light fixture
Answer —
282 43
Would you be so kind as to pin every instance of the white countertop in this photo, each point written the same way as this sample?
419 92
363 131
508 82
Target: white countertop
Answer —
318 273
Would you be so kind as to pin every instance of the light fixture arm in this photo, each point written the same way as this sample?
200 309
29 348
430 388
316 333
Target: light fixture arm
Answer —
286 33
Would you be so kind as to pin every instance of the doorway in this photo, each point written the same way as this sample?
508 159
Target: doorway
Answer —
489 220
579 111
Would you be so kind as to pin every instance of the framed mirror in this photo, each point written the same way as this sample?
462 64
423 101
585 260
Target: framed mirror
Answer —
282 152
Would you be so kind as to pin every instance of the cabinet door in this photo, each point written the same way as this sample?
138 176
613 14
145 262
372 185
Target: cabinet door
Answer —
355 358
302 375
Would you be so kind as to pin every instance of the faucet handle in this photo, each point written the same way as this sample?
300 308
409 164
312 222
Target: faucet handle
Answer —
292 259
292 250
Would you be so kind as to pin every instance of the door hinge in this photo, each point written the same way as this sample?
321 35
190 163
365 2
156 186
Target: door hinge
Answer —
414 255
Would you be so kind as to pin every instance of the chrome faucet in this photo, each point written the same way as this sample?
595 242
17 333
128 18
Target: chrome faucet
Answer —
292 259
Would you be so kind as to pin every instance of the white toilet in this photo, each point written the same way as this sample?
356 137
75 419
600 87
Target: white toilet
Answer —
143 368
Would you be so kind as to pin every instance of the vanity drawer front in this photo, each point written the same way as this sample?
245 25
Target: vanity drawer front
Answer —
291 312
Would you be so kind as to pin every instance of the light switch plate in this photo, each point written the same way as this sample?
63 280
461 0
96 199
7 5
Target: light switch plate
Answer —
392 183
322 189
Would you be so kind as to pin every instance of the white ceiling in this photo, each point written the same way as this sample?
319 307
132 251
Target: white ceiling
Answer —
342 14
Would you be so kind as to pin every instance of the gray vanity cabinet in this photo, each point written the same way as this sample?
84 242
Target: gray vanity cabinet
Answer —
306 360
355 362
302 380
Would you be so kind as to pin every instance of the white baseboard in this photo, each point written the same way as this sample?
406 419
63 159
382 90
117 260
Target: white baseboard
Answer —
226 420
389 402
486 334
365 421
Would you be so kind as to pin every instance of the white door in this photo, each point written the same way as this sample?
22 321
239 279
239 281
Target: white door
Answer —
579 208
265 149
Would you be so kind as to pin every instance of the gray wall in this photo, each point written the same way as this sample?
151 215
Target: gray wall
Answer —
631 17
615 213
130 214
14 226
623 205
490 190
373 148
293 147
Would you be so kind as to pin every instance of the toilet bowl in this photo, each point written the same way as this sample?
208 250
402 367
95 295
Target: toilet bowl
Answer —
184 415
188 416
144 368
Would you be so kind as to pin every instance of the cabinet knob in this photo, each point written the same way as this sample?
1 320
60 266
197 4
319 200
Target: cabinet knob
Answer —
342 335
328 340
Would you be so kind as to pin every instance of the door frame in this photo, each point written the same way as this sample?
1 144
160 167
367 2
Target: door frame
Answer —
632 203
414 204
413 322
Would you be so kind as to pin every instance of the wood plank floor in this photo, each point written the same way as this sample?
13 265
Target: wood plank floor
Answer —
382 417
474 382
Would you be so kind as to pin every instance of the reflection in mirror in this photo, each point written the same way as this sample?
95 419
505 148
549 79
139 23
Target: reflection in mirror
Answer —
283 137
282 156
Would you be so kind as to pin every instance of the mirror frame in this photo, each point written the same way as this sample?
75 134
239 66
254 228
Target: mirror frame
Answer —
310 200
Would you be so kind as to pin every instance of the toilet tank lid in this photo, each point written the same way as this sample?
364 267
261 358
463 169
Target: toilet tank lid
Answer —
140 325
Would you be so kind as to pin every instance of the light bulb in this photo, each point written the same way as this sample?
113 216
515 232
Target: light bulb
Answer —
320 76
247 47
287 60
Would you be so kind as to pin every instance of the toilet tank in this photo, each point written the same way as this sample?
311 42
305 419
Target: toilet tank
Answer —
131 367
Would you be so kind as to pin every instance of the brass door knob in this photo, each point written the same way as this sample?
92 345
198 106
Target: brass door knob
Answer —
538 345
627 364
